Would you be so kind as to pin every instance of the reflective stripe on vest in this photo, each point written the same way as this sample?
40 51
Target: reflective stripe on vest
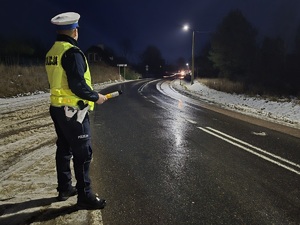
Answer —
61 95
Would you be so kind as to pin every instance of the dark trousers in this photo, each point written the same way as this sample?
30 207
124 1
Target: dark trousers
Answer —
73 139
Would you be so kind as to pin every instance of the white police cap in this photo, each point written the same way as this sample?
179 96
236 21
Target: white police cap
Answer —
66 21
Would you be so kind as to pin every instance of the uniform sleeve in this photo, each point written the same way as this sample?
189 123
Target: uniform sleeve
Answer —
75 66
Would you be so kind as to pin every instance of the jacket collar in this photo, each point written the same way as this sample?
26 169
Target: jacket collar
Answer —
66 38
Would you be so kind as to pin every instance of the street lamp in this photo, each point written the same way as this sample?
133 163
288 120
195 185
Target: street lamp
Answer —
186 28
188 68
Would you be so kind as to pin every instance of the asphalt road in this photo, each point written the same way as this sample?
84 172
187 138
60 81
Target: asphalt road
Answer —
163 158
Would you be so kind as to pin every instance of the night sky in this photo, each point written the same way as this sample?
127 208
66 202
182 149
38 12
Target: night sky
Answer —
145 22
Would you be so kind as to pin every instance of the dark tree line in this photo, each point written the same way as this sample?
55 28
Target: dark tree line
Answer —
152 61
233 53
21 51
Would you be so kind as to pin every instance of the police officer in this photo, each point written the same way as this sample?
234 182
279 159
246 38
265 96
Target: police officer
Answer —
72 97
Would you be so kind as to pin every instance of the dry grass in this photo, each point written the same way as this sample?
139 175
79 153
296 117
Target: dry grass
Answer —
228 86
101 73
224 85
24 80
19 79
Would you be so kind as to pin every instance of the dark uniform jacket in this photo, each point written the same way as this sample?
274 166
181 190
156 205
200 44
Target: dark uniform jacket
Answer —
74 63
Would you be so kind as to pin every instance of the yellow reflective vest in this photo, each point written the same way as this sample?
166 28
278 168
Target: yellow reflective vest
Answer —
60 93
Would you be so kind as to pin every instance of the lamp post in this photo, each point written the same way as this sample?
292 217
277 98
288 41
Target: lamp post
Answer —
193 58
186 28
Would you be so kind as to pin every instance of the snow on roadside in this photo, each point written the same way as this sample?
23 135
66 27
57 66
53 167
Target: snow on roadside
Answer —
283 111
27 157
27 149
23 101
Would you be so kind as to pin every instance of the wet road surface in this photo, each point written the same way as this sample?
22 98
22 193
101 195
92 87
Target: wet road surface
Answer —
162 158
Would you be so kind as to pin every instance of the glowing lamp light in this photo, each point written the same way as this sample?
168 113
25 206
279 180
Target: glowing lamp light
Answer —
186 27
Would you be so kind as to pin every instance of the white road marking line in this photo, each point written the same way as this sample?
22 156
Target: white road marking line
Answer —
256 148
190 121
259 133
235 141
163 107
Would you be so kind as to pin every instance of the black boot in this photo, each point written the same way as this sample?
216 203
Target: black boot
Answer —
90 201
64 195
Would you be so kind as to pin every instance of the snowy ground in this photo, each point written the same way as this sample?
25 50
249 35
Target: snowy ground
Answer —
27 150
282 111
27 159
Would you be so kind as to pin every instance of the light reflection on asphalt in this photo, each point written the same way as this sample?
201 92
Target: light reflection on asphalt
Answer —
177 152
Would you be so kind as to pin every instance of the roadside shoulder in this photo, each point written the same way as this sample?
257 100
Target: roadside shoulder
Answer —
240 111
